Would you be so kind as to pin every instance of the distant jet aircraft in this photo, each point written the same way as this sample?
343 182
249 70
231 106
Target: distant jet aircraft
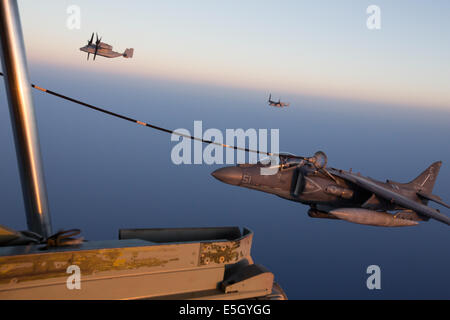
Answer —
105 50
278 103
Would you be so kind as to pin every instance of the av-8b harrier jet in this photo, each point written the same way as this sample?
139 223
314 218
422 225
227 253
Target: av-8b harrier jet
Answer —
105 50
339 194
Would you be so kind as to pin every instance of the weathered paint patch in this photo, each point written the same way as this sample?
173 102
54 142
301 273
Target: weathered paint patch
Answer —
224 252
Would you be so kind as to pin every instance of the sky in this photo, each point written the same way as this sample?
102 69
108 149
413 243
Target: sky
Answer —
319 48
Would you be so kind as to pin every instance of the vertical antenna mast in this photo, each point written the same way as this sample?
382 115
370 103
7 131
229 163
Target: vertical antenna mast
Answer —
23 121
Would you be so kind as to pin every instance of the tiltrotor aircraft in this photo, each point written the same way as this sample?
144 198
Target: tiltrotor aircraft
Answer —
338 194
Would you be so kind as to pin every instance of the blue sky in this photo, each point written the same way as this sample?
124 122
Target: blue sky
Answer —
309 47
104 173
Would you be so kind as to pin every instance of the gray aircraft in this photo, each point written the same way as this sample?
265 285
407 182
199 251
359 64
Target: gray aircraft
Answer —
278 103
338 194
105 50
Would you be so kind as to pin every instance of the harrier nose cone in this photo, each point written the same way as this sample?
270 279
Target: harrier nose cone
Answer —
230 175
